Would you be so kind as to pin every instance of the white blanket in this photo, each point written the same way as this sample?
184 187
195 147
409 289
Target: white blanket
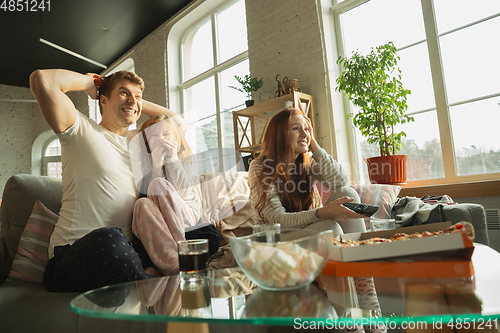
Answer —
223 195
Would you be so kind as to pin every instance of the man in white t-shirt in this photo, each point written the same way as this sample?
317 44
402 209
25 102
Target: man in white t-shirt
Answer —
90 246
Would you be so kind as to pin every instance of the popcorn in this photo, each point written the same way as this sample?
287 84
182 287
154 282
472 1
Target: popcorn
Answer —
284 261
282 265
269 267
258 266
311 262
249 261
279 283
296 249
278 275
293 278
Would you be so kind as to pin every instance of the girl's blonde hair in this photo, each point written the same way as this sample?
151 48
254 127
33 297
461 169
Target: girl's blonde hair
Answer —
183 150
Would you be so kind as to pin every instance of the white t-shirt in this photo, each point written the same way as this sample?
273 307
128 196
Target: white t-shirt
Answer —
98 184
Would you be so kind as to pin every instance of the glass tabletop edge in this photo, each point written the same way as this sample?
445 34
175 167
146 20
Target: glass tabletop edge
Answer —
446 319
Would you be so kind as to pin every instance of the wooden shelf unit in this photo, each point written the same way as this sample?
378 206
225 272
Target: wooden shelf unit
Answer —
249 143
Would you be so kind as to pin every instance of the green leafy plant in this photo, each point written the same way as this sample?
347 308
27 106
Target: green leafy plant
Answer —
373 83
248 85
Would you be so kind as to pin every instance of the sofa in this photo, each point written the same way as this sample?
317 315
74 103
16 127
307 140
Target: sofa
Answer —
27 307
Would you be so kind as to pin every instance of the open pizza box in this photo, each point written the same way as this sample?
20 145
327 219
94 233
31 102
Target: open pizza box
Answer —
444 256
459 243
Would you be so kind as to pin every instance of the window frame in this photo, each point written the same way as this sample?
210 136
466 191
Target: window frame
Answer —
442 108
214 71
49 159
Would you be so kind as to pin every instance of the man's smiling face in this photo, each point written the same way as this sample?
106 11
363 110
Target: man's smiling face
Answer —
124 103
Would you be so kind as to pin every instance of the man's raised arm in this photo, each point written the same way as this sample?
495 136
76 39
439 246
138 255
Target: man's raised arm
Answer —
49 88
152 109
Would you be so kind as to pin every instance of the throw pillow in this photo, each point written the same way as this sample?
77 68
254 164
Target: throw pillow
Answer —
32 252
383 196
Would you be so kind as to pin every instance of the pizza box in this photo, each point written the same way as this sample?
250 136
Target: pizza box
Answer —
404 267
457 242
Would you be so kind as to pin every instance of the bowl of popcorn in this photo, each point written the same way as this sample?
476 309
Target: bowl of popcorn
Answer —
282 260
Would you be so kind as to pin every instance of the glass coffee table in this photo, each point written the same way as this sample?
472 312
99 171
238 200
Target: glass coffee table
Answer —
229 297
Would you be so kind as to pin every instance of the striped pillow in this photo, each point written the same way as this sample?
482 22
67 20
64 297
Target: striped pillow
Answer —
32 251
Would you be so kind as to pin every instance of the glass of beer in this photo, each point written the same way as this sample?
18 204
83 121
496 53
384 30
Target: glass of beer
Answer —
196 298
193 258
270 232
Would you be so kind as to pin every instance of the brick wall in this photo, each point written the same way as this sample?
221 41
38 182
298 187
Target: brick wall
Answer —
149 58
20 124
150 64
284 37
16 120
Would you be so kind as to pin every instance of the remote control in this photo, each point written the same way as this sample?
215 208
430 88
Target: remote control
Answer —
367 210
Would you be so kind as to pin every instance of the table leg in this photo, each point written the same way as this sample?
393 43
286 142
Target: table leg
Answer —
176 327
425 297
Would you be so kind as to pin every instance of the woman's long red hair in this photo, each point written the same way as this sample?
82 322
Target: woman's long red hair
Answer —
276 154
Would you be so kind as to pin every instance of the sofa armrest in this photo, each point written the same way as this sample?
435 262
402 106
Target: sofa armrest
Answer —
472 213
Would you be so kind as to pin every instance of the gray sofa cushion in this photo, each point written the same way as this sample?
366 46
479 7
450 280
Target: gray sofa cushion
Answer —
415 211
18 198
30 308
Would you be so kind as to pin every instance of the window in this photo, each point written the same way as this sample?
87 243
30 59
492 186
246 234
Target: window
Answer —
51 161
449 61
214 50
94 112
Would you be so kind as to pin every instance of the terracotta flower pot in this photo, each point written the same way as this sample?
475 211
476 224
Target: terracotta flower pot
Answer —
387 169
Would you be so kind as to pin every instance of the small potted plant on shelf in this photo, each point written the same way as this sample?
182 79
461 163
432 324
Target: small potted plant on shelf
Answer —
248 85
373 83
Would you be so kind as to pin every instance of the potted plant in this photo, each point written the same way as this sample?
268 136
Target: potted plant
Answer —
248 85
373 83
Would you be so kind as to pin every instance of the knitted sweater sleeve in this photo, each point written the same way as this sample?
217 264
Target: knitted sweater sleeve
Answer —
327 171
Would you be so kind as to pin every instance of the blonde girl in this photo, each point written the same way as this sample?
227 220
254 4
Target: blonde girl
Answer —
172 203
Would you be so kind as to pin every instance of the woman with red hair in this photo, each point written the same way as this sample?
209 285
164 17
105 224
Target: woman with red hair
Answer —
282 182
282 179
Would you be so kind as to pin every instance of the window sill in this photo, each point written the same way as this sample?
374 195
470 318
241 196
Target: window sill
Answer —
463 190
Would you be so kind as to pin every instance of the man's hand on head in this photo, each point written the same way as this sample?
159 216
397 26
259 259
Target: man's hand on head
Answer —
95 82
152 109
